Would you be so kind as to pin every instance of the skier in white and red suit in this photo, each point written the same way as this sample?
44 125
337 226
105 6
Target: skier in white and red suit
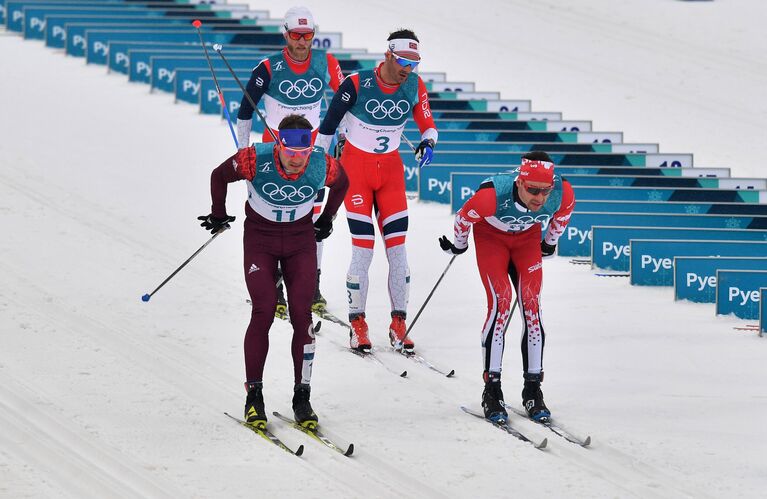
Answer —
509 212
375 105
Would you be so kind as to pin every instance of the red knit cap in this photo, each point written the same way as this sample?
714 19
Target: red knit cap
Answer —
537 171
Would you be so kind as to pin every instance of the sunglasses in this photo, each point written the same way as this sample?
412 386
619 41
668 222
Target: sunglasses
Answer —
297 36
406 62
300 153
538 190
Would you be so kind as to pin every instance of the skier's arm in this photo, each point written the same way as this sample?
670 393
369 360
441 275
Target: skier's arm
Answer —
336 179
479 206
422 114
220 177
334 70
561 217
256 87
344 99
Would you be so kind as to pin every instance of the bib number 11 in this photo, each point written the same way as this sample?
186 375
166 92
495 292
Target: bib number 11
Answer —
284 215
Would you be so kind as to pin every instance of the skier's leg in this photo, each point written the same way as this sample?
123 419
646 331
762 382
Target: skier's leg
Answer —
299 270
318 302
260 274
492 260
359 207
526 272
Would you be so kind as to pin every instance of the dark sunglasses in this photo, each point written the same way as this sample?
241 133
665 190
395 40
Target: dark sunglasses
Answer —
538 190
406 62
297 36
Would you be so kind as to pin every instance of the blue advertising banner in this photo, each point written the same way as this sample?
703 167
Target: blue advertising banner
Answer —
695 276
652 260
762 312
576 241
737 292
610 248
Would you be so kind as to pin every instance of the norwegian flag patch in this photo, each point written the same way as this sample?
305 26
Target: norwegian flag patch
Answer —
302 21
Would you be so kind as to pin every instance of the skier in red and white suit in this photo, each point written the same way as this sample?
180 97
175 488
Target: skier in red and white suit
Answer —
375 105
508 212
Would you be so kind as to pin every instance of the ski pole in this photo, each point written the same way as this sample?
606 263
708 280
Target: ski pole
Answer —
398 344
147 296
197 23
217 47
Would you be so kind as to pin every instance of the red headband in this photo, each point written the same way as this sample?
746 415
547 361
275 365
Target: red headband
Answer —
537 171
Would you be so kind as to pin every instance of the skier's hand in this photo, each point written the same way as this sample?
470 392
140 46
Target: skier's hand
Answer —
449 247
424 152
214 224
323 227
548 250
245 162
339 146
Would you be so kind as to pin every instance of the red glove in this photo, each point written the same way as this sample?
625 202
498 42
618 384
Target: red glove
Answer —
245 162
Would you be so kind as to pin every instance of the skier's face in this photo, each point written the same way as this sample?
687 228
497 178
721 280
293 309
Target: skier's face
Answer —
537 198
397 72
294 160
299 44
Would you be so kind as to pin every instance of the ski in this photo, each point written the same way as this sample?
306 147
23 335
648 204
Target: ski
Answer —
417 358
506 426
316 434
613 275
369 354
554 427
269 436
324 314
580 261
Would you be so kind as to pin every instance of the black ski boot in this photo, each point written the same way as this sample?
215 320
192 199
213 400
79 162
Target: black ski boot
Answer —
532 398
492 399
281 312
302 409
254 405
319 304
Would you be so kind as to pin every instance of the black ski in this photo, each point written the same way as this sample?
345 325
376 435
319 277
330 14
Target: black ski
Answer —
316 434
508 428
269 436
417 358
554 427
369 354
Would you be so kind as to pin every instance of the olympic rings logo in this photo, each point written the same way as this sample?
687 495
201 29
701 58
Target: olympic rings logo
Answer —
300 88
525 219
287 192
387 109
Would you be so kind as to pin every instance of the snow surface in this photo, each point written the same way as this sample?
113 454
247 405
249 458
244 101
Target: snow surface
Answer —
102 395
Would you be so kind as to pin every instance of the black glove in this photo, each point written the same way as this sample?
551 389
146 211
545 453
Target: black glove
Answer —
215 225
339 146
323 227
547 249
424 152
449 247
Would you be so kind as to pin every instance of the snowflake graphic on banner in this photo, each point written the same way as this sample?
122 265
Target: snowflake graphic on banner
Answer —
732 223
482 137
616 182
654 196
692 209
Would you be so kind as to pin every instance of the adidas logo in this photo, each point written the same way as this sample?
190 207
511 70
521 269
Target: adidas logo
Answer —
253 268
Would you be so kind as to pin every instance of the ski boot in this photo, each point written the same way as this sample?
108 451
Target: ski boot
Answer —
358 335
302 409
492 399
397 332
254 405
532 398
319 304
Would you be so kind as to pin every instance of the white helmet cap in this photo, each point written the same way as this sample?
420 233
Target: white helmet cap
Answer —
299 19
